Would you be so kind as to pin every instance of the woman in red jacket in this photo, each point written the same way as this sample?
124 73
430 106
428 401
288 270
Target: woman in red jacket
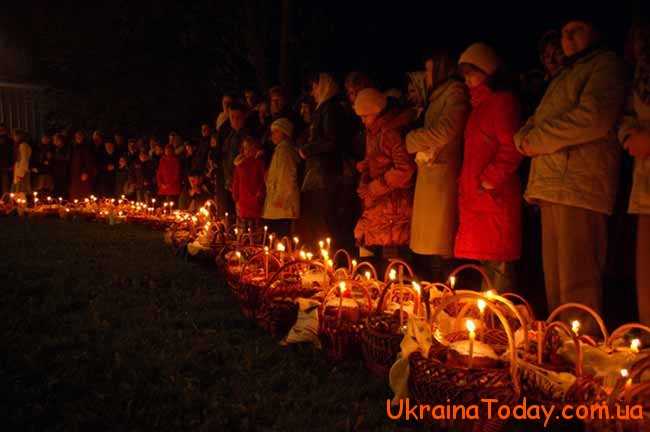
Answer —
168 176
489 192
248 183
386 185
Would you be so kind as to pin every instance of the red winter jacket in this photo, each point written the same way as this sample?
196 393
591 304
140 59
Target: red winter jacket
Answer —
387 179
490 220
248 187
169 176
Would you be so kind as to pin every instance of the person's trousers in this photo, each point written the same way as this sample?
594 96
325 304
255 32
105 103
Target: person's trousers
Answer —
643 268
574 250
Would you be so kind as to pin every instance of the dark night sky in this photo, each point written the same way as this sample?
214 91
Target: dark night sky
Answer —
147 63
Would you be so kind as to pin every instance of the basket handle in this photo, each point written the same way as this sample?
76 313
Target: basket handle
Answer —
255 256
276 275
331 292
395 262
514 366
479 269
502 301
623 330
513 296
364 264
562 327
347 256
388 288
567 306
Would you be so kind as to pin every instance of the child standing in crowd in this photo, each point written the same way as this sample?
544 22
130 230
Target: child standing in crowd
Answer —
248 183
122 178
60 162
142 175
282 203
43 168
197 192
22 178
107 161
387 172
168 176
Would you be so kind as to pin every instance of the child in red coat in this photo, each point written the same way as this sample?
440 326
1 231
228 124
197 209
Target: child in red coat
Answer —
168 176
248 185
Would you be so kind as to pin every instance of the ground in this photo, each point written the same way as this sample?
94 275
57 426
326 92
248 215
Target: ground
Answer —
103 328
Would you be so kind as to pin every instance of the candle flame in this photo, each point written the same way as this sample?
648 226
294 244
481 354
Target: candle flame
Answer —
296 240
392 274
266 250
238 254
280 247
470 325
354 263
303 255
635 345
490 294
416 287
575 326
368 275
310 255
481 305
452 281
321 244
342 287
625 373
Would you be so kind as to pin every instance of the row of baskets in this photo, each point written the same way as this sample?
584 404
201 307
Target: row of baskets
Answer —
433 343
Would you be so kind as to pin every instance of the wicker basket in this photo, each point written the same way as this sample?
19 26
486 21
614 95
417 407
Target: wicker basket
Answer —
278 309
383 332
435 380
255 274
340 332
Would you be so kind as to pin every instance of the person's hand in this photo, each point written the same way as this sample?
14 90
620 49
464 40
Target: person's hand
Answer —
84 177
486 186
638 143
363 191
526 149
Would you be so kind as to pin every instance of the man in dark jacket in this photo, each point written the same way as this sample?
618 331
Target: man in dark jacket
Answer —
200 157
6 158
82 168
230 148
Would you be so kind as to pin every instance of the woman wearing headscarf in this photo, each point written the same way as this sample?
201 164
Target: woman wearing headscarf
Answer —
634 133
437 147
489 195
386 175
417 95
329 137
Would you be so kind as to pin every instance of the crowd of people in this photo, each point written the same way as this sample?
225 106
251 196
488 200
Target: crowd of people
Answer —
442 169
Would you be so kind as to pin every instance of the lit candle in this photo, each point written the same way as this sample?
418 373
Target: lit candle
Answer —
625 374
471 328
418 290
481 310
321 245
266 262
354 265
270 240
452 282
635 346
281 249
540 340
266 228
367 274
310 256
575 327
296 240
303 255
324 254
392 275
329 243
238 254
250 238
226 222
341 291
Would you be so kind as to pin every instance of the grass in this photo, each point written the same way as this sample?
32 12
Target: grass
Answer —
102 328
